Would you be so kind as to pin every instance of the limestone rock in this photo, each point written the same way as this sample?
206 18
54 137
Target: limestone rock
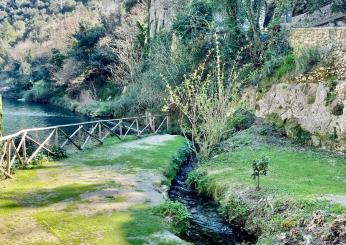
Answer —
306 104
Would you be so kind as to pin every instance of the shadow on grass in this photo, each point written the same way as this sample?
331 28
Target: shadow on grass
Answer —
132 226
56 166
142 224
44 197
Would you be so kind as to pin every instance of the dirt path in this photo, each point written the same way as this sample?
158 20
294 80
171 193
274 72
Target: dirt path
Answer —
115 185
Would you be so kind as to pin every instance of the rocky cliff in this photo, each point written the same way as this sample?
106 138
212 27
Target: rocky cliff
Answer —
316 101
309 104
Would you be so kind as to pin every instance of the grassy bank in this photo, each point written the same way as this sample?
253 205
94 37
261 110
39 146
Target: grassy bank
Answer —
301 197
105 195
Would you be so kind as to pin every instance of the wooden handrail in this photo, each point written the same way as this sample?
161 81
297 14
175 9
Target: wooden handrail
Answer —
97 130
70 125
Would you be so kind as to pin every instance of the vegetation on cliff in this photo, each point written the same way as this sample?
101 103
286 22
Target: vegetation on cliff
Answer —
98 57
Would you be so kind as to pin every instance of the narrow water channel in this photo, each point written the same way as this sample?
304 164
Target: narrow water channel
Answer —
207 227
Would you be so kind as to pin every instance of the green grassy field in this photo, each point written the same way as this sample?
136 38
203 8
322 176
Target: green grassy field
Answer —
100 196
291 172
300 182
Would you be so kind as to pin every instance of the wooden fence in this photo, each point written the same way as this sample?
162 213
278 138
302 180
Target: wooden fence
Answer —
15 147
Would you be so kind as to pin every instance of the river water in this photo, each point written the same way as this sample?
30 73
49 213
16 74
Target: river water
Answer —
20 115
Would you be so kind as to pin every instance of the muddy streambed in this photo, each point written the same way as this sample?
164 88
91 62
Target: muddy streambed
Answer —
206 225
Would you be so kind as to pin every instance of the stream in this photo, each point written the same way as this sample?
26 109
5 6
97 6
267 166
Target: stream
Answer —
207 227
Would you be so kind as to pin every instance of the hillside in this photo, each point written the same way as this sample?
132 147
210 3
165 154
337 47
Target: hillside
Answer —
40 41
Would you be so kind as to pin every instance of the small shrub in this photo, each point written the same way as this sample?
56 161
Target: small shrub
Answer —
296 133
241 119
235 209
259 167
288 65
338 109
59 153
289 128
176 214
306 59
276 121
39 160
332 83
177 160
198 180
288 223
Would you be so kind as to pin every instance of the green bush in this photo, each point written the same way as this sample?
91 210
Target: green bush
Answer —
332 83
176 214
288 65
59 153
39 160
241 119
306 59
235 210
290 128
40 92
177 160
198 181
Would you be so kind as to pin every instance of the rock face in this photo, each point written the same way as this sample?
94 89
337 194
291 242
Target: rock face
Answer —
162 13
307 104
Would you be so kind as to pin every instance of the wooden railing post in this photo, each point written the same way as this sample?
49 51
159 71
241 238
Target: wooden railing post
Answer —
8 156
100 131
168 121
152 124
137 126
56 140
121 128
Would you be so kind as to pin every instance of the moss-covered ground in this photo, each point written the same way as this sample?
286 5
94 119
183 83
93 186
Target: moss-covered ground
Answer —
104 195
300 182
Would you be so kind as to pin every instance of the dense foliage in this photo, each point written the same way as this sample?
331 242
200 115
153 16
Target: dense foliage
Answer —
98 57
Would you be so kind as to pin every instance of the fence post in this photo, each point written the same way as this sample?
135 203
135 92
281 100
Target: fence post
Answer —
168 121
121 128
56 137
153 124
8 156
24 147
100 130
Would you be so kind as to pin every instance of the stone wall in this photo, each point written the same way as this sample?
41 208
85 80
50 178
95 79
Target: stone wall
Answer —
322 17
331 41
